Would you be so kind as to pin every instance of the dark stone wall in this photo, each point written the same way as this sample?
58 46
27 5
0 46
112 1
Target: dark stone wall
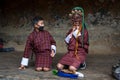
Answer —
12 11
102 17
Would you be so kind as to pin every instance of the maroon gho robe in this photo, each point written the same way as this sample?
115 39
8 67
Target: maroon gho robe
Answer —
69 58
40 43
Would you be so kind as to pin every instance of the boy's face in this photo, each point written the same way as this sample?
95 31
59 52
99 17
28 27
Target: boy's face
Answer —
39 24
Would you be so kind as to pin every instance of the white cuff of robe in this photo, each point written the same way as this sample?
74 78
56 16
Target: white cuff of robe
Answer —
75 33
54 48
67 39
24 61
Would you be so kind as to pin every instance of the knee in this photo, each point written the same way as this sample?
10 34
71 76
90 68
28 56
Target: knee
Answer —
72 68
60 66
46 69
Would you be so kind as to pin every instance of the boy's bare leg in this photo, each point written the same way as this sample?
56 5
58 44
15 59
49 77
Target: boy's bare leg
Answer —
60 66
72 68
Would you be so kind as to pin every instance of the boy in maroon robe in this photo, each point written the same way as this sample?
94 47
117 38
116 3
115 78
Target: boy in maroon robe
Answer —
42 44
77 42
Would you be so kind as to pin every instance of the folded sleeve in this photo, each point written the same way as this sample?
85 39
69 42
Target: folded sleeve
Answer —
53 43
24 61
67 39
86 41
53 47
27 51
28 47
75 33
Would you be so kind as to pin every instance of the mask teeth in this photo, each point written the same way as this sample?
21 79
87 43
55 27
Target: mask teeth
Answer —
72 11
75 11
70 15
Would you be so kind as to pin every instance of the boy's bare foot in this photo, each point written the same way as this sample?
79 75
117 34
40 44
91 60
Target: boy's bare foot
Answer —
22 67
46 69
38 69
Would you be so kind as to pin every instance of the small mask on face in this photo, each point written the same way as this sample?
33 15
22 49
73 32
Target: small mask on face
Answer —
41 28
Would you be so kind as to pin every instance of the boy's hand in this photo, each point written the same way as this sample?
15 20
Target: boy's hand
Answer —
52 53
21 67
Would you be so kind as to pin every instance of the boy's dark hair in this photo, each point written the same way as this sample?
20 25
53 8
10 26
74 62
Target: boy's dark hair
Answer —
36 19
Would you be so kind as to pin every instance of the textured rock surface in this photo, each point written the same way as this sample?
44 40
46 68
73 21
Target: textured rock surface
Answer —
101 16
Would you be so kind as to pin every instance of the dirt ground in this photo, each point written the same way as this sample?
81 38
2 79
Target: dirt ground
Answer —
98 67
